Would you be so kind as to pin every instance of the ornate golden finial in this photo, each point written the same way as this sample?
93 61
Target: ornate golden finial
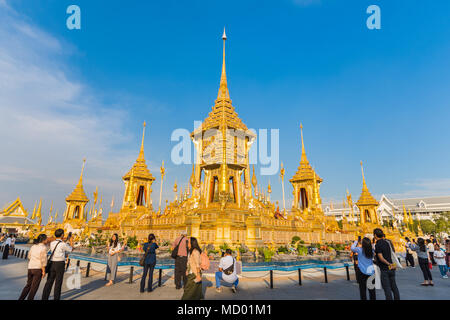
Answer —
315 190
405 214
192 179
223 89
162 169
254 181
163 172
175 187
33 216
269 188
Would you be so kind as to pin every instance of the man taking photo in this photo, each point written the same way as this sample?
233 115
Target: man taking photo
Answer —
56 264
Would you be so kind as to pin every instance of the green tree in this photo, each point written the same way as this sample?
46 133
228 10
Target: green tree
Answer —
132 242
428 226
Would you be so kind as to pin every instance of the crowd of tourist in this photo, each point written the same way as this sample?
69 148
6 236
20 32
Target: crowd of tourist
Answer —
9 244
375 263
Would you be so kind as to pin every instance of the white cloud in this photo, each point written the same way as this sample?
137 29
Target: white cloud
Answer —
50 121
425 188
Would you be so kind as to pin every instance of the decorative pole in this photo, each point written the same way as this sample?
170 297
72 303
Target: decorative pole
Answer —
282 172
163 172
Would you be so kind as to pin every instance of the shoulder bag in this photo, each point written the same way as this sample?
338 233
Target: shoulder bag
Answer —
228 271
175 250
142 261
49 261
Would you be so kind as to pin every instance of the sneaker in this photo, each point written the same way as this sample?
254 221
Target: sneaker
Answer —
445 277
218 289
233 288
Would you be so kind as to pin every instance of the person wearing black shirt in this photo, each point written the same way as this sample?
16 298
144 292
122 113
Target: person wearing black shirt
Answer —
386 265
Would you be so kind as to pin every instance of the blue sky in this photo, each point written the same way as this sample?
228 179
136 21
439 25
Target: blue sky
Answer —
381 96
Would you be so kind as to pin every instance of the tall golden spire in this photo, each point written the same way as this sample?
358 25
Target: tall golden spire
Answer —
223 89
80 182
364 179
141 152
304 171
303 158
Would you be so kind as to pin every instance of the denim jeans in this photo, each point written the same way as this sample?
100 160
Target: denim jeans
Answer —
219 277
148 269
389 285
443 270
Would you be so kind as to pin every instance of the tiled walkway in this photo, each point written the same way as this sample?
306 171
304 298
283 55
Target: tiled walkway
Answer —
254 286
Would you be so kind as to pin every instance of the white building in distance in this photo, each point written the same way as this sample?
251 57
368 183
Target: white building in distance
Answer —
425 208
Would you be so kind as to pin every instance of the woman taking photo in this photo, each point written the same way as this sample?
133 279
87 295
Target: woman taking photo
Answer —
114 248
193 289
36 267
149 262
365 266
422 254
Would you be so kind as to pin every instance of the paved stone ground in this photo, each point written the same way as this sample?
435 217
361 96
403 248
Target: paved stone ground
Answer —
253 286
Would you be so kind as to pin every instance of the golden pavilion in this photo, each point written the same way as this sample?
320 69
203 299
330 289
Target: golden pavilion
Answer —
222 203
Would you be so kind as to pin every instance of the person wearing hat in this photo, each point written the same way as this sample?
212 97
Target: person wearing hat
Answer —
180 245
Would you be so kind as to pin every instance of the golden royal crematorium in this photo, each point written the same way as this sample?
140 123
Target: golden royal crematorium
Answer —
222 203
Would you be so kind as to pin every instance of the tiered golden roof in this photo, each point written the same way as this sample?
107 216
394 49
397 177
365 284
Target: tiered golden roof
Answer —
223 111
305 171
13 208
366 198
139 168
78 193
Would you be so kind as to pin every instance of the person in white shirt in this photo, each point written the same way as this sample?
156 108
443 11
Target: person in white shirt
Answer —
439 257
6 247
36 267
57 263
13 244
114 248
227 271
430 247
